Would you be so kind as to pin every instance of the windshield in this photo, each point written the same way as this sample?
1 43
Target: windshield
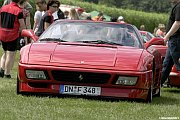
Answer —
92 32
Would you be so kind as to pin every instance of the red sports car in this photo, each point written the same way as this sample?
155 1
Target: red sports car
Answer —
90 58
174 78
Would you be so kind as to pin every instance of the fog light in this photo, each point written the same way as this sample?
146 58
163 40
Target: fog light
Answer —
126 80
35 74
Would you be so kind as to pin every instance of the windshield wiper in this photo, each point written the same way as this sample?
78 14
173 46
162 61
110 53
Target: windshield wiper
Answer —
101 42
53 39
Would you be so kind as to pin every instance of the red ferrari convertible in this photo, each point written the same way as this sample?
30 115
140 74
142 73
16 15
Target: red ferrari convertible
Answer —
90 59
174 78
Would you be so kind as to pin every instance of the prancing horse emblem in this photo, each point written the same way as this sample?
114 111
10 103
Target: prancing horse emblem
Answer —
81 77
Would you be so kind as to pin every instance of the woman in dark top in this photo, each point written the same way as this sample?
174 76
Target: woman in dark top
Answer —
47 18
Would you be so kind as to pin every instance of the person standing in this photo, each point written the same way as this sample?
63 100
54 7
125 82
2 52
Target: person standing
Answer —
27 9
47 18
66 14
26 12
80 13
99 17
37 17
11 23
73 15
142 28
173 37
161 31
120 19
41 7
60 13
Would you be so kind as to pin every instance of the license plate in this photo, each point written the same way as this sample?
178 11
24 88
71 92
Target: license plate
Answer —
80 90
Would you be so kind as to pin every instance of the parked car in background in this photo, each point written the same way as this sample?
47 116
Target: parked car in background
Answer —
92 59
174 78
147 36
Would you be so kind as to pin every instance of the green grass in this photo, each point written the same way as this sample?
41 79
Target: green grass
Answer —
18 107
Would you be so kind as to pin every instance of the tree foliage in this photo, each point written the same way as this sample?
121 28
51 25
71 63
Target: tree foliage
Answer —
159 6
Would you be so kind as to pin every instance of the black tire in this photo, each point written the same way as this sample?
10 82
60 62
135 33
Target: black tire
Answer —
149 96
150 91
17 86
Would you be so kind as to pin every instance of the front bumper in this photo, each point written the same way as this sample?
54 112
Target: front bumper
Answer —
53 89
108 89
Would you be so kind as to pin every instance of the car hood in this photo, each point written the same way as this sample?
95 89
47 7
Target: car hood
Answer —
85 55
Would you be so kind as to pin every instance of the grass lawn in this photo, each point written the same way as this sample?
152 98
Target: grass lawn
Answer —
18 107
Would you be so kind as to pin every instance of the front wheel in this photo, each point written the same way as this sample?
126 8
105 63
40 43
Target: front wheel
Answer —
17 86
149 96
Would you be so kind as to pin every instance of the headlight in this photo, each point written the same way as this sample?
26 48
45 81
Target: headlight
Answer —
35 74
122 80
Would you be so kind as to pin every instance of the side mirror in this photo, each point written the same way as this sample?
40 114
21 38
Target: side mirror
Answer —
154 41
29 34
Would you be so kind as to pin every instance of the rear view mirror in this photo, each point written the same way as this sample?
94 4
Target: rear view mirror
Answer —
29 34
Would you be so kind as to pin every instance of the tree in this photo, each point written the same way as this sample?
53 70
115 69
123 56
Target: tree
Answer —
159 6
107 2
